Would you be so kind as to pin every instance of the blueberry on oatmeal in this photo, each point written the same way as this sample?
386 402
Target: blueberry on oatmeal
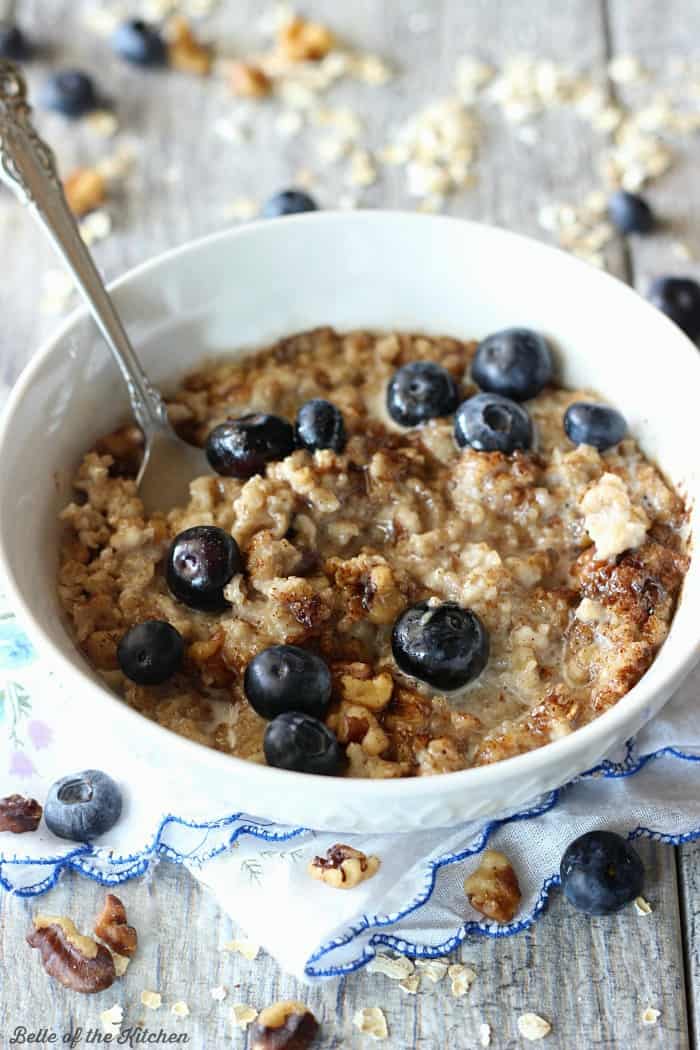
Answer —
69 92
320 425
13 43
587 423
420 391
492 423
287 678
139 43
201 561
679 299
601 873
302 743
443 645
151 652
240 448
516 363
288 202
630 213
82 806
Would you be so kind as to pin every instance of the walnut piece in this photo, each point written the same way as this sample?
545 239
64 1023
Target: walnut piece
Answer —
374 693
19 814
75 961
184 51
302 41
493 888
343 867
249 80
112 928
85 190
286 1025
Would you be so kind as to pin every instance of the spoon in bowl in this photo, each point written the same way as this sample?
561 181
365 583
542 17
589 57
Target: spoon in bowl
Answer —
28 167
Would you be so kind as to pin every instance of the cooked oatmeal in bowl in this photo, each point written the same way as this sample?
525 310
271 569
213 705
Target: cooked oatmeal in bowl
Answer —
416 555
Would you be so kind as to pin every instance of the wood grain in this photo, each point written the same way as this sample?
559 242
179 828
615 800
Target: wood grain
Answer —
591 979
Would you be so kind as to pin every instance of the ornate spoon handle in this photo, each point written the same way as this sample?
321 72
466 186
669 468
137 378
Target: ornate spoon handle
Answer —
28 167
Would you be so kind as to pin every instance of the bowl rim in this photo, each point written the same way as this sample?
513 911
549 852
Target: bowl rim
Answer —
348 789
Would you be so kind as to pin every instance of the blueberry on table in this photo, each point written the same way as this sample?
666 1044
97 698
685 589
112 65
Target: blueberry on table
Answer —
630 213
13 43
516 363
69 92
587 423
139 43
287 678
288 202
679 299
201 561
319 425
601 873
420 391
82 806
151 652
444 645
491 423
299 742
240 448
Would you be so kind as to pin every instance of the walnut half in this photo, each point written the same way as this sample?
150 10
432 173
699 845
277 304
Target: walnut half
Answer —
112 928
493 888
75 961
287 1025
343 867
19 814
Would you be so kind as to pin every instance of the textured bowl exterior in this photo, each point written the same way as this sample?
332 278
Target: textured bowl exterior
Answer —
245 287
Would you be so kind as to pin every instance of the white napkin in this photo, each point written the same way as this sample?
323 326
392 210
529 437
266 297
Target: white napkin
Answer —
257 870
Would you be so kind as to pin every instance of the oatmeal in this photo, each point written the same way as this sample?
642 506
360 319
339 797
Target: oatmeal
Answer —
562 562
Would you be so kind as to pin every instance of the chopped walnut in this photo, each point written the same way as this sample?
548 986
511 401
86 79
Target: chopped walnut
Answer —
371 1021
286 1025
302 41
374 693
19 814
343 867
493 888
85 189
249 80
360 764
184 50
354 724
112 928
75 961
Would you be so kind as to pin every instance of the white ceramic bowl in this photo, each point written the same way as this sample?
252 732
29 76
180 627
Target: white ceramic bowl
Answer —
244 287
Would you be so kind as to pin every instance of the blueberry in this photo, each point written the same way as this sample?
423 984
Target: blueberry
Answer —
597 425
139 43
288 202
287 678
150 652
69 92
201 561
679 299
420 391
240 448
516 363
13 43
445 645
491 423
630 213
82 806
297 741
601 873
320 425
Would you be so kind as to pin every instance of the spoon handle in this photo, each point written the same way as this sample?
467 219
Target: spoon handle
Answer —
28 167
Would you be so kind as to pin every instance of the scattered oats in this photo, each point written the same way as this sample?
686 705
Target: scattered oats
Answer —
420 22
533 1027
362 171
102 122
289 123
152 1000
372 70
462 978
371 1021
607 119
111 1020
180 1009
295 94
651 1015
219 993
595 203
548 217
681 250
155 10
484 1034
393 155
242 1015
433 969
118 165
230 130
243 209
624 69
100 20
348 201
470 75
397 967
332 149
528 135
598 237
275 18
642 906
199 8
304 178
437 140
96 226
248 949
410 984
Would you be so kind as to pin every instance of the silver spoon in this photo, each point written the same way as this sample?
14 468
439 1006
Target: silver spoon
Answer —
28 167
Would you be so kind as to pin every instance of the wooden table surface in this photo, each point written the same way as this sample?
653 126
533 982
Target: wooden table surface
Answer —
591 978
